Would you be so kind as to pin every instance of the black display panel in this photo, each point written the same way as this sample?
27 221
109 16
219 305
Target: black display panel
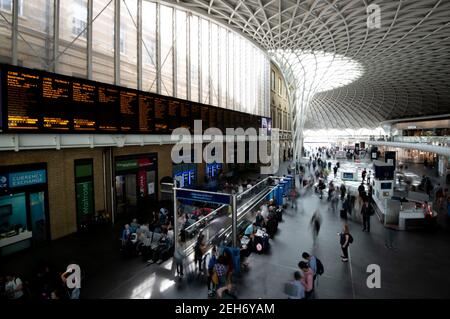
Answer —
129 121
213 117
146 113
185 115
173 115
220 125
23 91
161 111
227 120
195 113
108 108
40 101
205 117
56 97
84 105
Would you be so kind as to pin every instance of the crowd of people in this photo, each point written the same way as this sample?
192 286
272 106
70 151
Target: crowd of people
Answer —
45 284
154 241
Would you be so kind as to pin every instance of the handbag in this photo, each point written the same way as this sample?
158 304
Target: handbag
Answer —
215 278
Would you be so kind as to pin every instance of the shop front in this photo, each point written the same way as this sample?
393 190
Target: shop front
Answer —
23 207
136 190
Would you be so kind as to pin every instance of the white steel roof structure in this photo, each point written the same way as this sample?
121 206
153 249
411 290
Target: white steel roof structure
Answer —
400 67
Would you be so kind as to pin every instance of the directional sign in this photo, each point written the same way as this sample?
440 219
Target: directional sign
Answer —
206 197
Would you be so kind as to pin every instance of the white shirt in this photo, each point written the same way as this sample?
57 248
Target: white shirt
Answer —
10 288
264 211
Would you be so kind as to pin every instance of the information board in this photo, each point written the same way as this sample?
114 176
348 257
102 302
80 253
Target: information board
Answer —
161 111
129 111
173 117
56 96
108 108
43 102
185 115
146 113
23 96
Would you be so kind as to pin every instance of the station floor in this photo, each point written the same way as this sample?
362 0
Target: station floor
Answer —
417 267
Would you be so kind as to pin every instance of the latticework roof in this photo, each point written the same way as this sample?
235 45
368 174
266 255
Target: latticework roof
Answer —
405 63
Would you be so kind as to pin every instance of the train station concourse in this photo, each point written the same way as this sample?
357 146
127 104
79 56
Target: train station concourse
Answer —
224 149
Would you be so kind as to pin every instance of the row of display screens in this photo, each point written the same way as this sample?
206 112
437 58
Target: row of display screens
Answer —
39 101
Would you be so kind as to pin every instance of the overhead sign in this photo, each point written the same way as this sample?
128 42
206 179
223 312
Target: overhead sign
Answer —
20 179
40 101
205 197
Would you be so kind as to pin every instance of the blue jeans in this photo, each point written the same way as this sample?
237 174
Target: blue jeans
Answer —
75 294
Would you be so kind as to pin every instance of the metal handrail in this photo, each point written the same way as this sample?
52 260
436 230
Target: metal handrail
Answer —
240 216
198 221
238 197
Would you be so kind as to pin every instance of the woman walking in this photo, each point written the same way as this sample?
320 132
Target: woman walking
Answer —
345 239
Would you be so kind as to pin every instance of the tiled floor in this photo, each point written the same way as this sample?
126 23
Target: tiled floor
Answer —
416 268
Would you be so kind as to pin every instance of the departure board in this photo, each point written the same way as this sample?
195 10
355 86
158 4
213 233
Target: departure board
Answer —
161 106
23 92
226 120
220 125
195 113
185 115
56 115
41 101
129 111
173 115
108 108
205 117
146 113
213 117
83 105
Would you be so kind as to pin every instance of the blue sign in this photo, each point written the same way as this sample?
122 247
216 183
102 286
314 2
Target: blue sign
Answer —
216 198
3 181
27 178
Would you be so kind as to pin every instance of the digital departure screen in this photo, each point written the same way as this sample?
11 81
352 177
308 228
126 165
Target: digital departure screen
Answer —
108 108
220 125
205 117
84 106
161 108
213 118
56 96
23 96
44 102
195 113
146 113
185 115
129 111
174 115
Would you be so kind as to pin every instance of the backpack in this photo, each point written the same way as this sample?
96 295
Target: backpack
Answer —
320 269
342 238
350 239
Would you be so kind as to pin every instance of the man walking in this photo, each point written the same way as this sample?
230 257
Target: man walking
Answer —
366 212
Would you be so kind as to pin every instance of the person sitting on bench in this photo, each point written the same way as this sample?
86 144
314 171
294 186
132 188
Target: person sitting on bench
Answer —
163 247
